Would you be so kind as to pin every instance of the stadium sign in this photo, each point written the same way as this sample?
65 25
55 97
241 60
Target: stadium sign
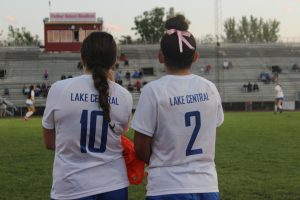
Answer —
72 17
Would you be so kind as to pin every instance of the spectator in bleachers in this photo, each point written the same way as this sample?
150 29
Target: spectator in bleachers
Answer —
118 76
6 91
46 75
48 88
124 58
230 64
25 89
225 64
2 73
255 87
37 90
136 74
126 63
141 74
44 90
130 87
127 76
120 82
249 87
207 68
63 77
265 77
138 85
245 88
296 67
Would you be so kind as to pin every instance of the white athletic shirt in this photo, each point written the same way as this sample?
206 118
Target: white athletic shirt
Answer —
181 114
30 101
87 161
32 95
278 91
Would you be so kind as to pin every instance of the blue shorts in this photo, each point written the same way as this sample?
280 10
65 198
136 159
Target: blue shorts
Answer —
121 194
192 196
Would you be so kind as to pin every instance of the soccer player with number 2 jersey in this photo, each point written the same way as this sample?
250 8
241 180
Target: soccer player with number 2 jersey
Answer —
175 123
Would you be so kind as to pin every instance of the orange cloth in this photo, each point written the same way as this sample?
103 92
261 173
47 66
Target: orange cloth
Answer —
135 167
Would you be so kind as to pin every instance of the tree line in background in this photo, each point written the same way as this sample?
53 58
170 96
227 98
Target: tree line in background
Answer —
20 37
252 30
150 27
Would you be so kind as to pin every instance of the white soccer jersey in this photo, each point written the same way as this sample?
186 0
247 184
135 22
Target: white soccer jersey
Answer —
32 95
278 91
30 101
181 114
88 156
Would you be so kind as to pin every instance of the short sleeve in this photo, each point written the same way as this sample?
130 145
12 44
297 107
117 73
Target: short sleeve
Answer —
220 115
129 105
48 117
145 116
220 112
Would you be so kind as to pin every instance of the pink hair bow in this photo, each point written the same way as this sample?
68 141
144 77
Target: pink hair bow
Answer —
181 39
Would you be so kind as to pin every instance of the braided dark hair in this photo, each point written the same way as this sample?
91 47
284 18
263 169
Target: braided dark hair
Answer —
98 53
173 58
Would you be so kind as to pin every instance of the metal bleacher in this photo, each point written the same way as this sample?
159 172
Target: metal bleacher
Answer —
25 66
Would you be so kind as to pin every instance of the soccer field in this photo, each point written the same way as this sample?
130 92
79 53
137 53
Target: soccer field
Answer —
257 158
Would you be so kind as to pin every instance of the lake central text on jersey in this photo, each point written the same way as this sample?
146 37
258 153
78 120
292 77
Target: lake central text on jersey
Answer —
85 97
187 99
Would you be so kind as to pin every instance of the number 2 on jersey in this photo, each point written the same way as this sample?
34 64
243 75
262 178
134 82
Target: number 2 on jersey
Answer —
92 135
189 151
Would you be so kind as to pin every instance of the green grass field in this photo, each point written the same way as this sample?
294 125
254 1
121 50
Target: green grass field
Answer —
257 157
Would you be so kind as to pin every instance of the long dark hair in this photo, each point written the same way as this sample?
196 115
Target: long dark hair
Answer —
169 46
98 53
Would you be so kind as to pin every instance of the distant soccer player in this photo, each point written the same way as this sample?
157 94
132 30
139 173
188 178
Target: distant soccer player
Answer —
279 96
83 121
30 103
175 123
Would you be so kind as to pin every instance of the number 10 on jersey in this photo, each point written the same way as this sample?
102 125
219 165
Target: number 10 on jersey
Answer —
92 133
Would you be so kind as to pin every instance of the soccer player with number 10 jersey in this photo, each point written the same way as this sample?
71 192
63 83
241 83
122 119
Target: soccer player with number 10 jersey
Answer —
83 122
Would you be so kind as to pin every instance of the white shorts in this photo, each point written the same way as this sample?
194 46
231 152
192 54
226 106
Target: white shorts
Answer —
29 102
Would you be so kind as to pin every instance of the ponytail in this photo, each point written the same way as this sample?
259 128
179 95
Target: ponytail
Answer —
98 53
102 86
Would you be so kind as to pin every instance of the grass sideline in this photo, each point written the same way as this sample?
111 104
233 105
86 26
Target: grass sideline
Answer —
257 157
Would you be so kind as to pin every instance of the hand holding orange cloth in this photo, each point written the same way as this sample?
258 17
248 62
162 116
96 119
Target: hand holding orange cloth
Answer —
135 167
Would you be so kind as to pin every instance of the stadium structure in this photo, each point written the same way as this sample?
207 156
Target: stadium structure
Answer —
24 66
66 31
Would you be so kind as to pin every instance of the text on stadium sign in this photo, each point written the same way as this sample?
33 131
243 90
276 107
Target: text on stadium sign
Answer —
72 16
